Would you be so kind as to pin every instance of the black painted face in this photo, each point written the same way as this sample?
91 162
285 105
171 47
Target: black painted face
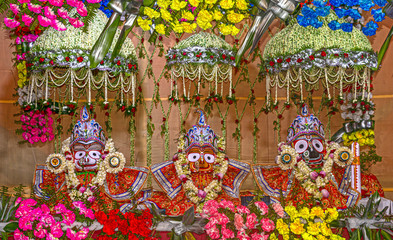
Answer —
311 148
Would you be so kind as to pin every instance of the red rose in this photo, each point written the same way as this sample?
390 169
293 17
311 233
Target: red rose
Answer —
102 62
323 54
224 56
174 56
255 120
229 101
279 116
133 109
67 59
51 62
299 60
139 88
163 119
79 59
279 60
197 98
129 66
211 57
184 53
232 58
42 60
288 60
107 114
160 38
346 55
311 57
271 63
118 63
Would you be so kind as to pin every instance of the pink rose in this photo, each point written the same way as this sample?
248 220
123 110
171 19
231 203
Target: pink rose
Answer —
243 209
239 224
251 221
76 22
226 233
11 23
82 10
227 204
210 208
262 207
213 233
267 225
59 26
278 209
222 219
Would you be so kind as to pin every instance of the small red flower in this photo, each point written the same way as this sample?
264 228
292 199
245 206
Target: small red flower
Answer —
279 116
311 57
174 56
107 114
140 88
67 59
123 108
42 60
288 106
323 54
106 106
341 101
255 120
299 60
346 55
211 57
102 62
216 99
160 38
271 63
224 56
133 109
51 62
279 60
163 119
118 63
129 66
80 59
288 60
232 58
229 101
237 121
184 53
197 98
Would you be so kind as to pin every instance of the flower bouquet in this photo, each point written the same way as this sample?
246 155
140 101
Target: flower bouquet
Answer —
37 126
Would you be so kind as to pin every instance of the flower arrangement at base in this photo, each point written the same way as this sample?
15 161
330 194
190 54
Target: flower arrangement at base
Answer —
38 221
182 16
226 221
300 59
201 58
129 225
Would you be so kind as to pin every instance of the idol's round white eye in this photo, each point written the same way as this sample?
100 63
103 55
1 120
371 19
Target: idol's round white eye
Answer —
94 154
193 157
209 158
317 144
301 146
80 154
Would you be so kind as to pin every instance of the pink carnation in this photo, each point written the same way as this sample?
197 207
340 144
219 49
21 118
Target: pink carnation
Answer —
44 21
35 8
213 233
278 209
227 204
93 1
40 231
82 10
76 22
68 217
242 235
56 3
27 20
243 209
239 224
43 138
63 13
48 12
267 225
262 207
227 233
73 3
210 208
60 208
251 221
11 23
82 234
259 236
222 219
56 230
18 235
24 1
14 8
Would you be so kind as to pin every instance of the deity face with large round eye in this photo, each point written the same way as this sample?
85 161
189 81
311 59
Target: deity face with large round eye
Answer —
311 148
86 155
201 159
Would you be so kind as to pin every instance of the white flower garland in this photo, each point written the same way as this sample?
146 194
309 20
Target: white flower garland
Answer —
72 180
183 171
287 157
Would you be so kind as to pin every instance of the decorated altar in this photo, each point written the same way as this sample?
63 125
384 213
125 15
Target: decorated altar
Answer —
195 119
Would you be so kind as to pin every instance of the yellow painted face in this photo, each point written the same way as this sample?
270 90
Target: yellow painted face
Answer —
201 159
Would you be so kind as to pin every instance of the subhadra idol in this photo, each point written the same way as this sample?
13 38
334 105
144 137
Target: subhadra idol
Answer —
88 163
309 168
199 172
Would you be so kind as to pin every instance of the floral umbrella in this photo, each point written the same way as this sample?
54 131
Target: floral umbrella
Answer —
300 58
201 58
60 60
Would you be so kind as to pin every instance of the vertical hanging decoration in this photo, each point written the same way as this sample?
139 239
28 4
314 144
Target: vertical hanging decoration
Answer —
203 60
301 59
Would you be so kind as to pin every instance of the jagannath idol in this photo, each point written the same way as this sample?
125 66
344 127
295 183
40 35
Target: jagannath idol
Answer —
199 172
88 163
310 168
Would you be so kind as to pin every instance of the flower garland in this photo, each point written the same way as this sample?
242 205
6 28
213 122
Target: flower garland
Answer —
310 179
184 16
211 191
113 163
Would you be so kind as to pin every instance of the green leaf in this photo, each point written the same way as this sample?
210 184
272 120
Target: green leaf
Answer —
11 227
386 235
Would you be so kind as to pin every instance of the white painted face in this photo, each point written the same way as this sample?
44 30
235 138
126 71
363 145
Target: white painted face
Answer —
311 149
86 155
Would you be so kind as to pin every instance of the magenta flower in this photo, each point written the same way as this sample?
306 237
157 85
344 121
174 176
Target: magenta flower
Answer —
213 233
28 202
35 8
43 138
82 234
227 233
18 235
91 199
259 236
76 22
60 208
243 210
93 1
227 204
48 12
44 21
63 13
55 230
73 3
56 3
40 231
82 10
30 37
251 221
68 217
14 8
18 40
35 131
239 223
51 137
11 23
27 20
24 1
267 225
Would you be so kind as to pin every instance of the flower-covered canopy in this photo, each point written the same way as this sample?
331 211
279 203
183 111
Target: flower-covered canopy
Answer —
299 58
61 59
203 57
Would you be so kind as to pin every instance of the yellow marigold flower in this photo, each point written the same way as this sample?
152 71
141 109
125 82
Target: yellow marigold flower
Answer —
297 227
291 211
164 4
317 212
325 229
188 27
370 141
282 227
313 228
235 17
336 237
304 213
345 137
226 4
332 214
217 15
178 28
194 3
225 29
235 30
285 237
210 1
307 236
371 132
205 16
273 237
362 141
321 237
188 15
166 15
151 13
241 4
204 25
177 5
160 28
144 23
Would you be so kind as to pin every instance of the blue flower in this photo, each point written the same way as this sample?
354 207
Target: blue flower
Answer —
336 3
370 29
378 15
340 12
380 3
319 3
351 2
316 23
322 11
353 13
347 27
302 20
334 25
366 4
308 12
